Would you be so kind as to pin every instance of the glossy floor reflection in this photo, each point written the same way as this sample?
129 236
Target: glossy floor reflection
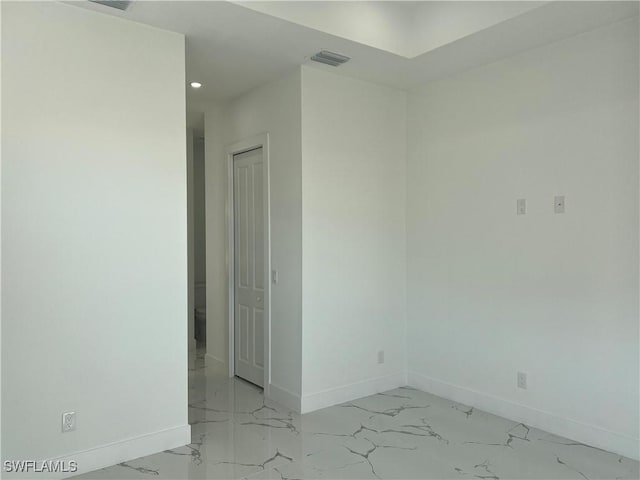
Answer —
400 434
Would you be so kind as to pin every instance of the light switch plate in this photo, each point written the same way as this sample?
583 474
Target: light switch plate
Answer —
558 204
521 206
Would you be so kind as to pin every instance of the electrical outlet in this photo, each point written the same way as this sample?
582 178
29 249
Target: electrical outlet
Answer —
381 356
68 422
521 206
522 380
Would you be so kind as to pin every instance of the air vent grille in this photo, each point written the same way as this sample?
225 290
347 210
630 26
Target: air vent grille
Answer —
330 58
119 4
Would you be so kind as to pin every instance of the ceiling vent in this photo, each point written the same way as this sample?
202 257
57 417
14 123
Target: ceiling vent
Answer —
330 58
119 4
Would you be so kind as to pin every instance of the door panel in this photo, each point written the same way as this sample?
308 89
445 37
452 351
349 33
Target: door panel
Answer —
243 316
258 201
249 266
258 325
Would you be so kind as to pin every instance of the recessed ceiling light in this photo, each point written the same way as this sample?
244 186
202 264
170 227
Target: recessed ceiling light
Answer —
196 84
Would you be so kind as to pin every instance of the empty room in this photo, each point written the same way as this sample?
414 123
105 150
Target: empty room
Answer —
320 239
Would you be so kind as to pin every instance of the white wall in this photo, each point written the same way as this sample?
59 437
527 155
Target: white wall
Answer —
216 238
273 109
354 262
94 277
556 296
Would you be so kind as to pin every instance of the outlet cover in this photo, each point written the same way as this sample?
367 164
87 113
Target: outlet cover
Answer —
522 380
68 422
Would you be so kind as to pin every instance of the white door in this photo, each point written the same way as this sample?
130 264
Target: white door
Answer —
249 266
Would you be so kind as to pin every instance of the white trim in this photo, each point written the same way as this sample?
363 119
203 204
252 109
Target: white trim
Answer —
215 364
353 391
123 451
565 427
235 149
285 397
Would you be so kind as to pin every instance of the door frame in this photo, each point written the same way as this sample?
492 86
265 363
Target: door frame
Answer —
252 143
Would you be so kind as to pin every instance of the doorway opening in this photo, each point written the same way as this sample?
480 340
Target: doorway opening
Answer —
250 261
200 243
196 239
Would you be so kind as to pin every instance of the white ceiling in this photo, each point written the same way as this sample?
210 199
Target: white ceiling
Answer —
408 29
232 48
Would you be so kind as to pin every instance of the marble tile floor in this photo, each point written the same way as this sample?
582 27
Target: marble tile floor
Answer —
400 434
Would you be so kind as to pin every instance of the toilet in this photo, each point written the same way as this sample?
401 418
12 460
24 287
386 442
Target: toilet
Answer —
200 330
200 327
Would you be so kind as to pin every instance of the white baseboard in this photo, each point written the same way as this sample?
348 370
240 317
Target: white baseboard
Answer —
564 427
346 393
284 397
117 452
216 365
